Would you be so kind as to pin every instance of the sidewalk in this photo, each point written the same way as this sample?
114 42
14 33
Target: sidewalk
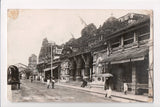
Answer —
115 95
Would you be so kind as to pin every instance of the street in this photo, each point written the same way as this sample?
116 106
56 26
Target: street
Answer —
38 92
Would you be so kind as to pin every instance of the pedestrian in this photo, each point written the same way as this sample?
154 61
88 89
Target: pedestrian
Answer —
84 83
125 88
48 82
31 79
42 79
36 77
53 82
107 87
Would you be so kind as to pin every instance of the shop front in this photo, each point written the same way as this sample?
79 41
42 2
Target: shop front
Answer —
64 74
48 73
129 67
98 67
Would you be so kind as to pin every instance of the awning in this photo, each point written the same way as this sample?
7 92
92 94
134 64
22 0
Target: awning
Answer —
47 69
121 61
127 56
103 75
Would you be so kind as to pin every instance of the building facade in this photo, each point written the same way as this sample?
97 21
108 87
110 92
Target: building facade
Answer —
48 60
79 57
122 47
32 64
125 54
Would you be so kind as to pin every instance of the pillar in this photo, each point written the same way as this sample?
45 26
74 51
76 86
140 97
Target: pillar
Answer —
71 74
135 40
134 79
86 59
72 69
87 72
134 37
78 73
122 43
78 61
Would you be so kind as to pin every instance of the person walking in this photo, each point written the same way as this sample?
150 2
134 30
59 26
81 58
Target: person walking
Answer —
36 77
84 83
31 78
107 87
48 82
53 82
125 88
42 79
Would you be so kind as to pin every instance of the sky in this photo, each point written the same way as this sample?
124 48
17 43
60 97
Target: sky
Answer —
26 29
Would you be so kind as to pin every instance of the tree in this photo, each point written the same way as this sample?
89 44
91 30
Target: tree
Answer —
112 24
89 30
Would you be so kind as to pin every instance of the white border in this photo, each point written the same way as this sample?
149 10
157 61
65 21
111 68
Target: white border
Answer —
79 4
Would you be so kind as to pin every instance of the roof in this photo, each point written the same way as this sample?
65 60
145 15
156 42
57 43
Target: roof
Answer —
47 69
134 53
125 29
21 65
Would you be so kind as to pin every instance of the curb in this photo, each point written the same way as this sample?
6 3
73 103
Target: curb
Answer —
103 93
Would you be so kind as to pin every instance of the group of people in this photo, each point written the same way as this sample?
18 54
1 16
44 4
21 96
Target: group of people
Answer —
50 83
107 87
33 78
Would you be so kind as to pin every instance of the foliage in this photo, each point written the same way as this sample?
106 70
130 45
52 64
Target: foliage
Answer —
89 30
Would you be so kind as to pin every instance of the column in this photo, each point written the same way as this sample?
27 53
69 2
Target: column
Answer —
78 61
71 74
87 72
135 39
122 43
72 69
86 59
134 79
78 73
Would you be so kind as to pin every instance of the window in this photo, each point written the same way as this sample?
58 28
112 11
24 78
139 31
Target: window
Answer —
143 33
128 38
115 42
143 36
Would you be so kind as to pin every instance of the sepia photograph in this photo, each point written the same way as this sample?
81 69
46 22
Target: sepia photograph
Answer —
80 55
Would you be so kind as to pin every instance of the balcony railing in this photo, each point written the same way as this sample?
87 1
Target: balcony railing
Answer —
131 45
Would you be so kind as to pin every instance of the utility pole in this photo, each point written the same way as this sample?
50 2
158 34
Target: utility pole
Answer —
51 58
